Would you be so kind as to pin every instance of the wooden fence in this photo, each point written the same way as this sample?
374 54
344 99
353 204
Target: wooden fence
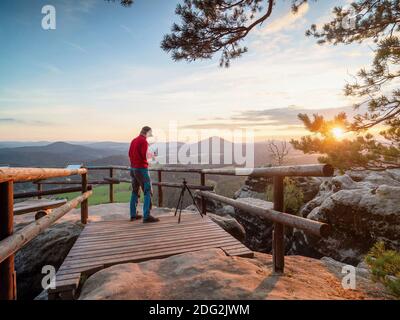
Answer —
277 215
11 242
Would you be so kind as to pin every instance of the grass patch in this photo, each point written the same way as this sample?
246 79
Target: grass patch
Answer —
122 194
385 267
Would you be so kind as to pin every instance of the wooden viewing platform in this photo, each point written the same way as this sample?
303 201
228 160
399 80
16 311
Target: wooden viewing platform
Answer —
103 244
106 243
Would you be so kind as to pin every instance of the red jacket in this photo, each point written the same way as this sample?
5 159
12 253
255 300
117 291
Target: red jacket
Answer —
138 152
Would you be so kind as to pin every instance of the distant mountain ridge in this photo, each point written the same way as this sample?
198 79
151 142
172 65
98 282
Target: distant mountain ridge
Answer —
60 154
57 154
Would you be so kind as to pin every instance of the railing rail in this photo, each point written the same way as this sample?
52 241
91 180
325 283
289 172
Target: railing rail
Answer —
314 227
17 240
277 215
39 176
11 242
30 174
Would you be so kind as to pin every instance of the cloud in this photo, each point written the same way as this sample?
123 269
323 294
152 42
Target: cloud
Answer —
24 122
8 120
226 125
76 46
276 116
285 22
288 116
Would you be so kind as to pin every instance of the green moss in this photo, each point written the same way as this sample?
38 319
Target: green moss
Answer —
293 196
385 267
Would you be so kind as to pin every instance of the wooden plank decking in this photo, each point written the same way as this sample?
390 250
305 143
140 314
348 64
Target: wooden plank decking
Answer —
106 243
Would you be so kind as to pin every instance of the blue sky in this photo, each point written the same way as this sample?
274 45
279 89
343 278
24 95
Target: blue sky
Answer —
101 75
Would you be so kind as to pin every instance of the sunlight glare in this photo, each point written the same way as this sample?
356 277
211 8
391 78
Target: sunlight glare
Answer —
337 132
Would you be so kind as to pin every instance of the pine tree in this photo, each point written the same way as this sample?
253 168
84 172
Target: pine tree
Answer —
364 20
362 152
209 27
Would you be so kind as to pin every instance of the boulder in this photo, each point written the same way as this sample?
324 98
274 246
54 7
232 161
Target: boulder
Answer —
363 278
226 222
246 192
361 212
226 210
258 229
230 225
370 179
257 187
210 274
48 248
211 204
309 186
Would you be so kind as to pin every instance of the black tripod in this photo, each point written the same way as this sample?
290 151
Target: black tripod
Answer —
180 200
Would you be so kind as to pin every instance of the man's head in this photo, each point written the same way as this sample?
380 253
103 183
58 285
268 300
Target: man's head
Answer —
146 131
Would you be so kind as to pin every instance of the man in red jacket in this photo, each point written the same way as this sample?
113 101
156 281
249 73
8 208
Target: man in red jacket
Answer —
140 176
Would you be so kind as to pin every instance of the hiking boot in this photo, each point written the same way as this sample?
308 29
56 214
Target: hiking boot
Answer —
150 219
137 217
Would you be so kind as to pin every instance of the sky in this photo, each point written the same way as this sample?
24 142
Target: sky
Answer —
101 74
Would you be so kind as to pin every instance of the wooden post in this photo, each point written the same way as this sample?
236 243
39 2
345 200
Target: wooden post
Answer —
203 200
39 189
8 289
278 242
111 186
84 204
160 193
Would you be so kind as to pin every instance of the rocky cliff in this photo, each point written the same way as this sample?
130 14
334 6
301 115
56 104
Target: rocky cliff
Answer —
210 274
362 207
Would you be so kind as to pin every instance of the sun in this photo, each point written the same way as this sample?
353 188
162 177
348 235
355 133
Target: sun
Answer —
337 132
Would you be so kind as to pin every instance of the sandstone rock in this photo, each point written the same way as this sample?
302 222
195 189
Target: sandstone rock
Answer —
246 192
309 186
359 217
327 188
48 248
210 274
363 278
230 225
258 184
256 187
258 229
192 207
211 205
226 222
371 179
226 210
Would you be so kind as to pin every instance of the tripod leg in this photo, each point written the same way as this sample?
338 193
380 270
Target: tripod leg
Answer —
194 201
179 201
180 210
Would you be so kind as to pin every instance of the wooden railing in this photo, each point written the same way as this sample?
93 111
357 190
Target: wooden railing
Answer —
276 215
11 242
38 176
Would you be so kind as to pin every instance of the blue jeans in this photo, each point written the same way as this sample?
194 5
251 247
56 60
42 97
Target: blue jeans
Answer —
140 179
